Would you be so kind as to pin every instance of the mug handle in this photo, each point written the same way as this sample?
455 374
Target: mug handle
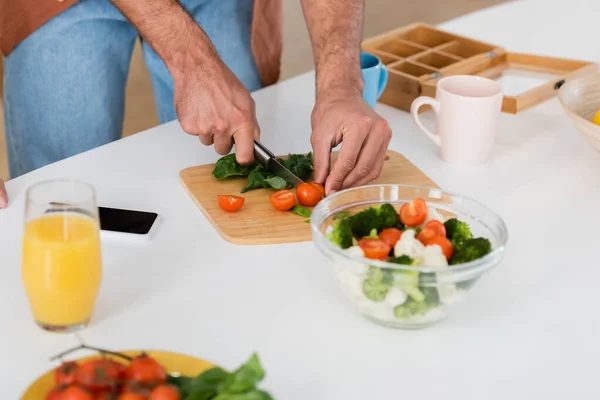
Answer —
383 80
414 110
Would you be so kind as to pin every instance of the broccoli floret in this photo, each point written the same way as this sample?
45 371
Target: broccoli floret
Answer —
457 231
341 234
377 284
377 217
470 250
411 307
403 259
372 235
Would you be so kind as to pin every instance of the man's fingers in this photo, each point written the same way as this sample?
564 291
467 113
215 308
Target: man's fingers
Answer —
206 140
223 144
354 137
321 158
244 144
371 156
3 195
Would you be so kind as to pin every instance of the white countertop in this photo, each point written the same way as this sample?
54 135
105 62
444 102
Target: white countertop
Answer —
529 330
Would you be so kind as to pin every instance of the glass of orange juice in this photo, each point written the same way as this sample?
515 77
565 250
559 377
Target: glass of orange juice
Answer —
61 261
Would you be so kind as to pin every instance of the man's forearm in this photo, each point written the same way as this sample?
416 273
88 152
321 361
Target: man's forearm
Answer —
335 28
169 30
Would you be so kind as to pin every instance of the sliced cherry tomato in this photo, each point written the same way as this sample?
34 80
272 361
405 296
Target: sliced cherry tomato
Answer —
375 248
132 396
437 227
147 370
65 373
443 242
390 236
164 392
230 203
320 187
425 235
56 393
309 194
414 213
99 374
283 200
76 392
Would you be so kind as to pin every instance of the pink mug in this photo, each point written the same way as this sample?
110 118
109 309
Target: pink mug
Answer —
467 109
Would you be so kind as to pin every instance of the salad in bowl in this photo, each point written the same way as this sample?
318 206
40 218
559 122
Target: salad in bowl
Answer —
406 254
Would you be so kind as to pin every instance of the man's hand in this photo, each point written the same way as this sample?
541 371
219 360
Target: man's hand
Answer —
213 104
342 115
210 101
3 195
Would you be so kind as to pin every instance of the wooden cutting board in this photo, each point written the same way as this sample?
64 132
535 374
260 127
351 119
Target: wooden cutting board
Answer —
258 222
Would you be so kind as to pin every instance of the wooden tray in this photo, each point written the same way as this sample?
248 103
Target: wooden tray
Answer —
257 222
419 55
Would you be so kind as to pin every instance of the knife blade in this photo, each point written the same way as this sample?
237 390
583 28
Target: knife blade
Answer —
270 163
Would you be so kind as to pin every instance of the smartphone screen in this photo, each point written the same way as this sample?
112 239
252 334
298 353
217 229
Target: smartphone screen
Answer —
126 221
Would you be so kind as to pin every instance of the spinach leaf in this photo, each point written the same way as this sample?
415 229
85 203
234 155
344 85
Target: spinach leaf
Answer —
227 166
277 182
244 379
261 178
301 165
301 211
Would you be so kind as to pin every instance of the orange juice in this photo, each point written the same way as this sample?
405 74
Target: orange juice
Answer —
62 268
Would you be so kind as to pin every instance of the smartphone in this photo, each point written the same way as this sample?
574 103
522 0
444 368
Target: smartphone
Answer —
127 223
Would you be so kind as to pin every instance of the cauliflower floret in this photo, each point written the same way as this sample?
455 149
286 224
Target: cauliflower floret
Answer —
378 310
395 297
433 215
408 245
432 256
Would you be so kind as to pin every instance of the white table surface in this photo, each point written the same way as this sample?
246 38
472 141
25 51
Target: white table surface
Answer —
529 330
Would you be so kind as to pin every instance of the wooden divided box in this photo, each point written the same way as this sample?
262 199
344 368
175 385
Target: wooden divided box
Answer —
419 55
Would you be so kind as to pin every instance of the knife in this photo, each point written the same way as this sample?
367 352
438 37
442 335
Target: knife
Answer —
270 163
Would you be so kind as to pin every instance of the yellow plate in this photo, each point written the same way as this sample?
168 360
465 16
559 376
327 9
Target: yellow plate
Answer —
173 363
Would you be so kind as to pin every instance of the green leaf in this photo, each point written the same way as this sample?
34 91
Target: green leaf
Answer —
299 164
301 211
251 395
244 379
256 179
277 182
202 387
227 167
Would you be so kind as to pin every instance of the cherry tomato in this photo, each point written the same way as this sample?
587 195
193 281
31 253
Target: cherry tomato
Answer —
99 374
375 248
308 194
76 392
283 200
437 227
425 235
56 393
230 203
147 370
164 392
390 236
443 242
414 213
320 187
65 374
132 396
105 396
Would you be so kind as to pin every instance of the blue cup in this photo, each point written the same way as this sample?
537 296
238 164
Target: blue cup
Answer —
375 75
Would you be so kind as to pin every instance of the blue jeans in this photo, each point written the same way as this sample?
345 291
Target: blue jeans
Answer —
64 86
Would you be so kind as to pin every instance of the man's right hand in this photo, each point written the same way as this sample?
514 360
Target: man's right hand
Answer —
213 104
3 195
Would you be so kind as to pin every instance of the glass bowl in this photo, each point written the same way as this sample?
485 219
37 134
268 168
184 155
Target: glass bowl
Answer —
443 287
580 98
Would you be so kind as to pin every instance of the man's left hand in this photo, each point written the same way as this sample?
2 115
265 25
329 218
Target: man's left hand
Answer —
341 115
